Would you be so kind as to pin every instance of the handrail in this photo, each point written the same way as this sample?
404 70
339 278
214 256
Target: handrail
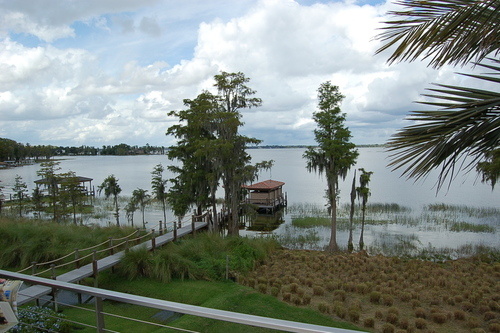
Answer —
223 315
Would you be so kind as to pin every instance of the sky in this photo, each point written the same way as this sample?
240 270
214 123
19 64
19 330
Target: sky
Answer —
104 72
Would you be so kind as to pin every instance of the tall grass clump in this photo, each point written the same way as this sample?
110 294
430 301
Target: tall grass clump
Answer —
24 241
204 257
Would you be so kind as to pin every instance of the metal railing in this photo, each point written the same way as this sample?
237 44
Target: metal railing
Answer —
234 317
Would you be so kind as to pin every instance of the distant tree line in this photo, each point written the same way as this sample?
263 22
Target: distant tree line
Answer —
11 150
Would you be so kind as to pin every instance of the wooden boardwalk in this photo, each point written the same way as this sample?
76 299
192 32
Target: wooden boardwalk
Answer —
35 292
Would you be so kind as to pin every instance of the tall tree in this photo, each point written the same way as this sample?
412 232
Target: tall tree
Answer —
335 153
159 186
194 178
50 179
455 32
72 192
363 193
111 188
234 161
141 197
211 148
20 189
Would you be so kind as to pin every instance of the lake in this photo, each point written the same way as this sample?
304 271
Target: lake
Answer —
304 188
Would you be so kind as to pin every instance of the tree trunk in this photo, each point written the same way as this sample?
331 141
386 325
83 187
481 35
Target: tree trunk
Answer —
361 241
332 246
350 246
117 212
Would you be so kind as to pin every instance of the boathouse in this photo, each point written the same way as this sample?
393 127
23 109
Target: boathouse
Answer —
84 182
267 195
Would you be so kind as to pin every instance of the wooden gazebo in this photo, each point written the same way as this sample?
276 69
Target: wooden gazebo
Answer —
266 195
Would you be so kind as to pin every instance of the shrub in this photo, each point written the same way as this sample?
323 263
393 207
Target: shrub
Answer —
439 317
369 322
420 323
387 300
323 307
473 322
362 288
339 295
404 324
420 313
353 315
392 318
287 297
388 328
467 306
405 297
275 291
489 315
459 315
318 291
40 319
375 297
494 327
379 314
294 287
296 300
306 299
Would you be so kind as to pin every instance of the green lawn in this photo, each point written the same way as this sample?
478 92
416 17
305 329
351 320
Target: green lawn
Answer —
219 295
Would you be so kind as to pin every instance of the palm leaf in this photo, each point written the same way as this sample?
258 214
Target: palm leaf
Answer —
444 31
453 138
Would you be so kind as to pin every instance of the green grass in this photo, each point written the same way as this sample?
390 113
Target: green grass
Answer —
465 226
219 295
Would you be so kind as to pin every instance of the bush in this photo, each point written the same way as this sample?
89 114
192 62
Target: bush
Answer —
40 319
388 328
323 307
439 317
459 315
494 327
375 297
420 323
369 322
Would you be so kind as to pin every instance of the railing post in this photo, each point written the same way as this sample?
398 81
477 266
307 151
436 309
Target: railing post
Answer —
126 245
161 227
99 315
77 258
95 270
138 241
54 290
111 249
175 231
33 267
153 240
193 229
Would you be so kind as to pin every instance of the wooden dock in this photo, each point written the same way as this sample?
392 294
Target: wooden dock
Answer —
37 291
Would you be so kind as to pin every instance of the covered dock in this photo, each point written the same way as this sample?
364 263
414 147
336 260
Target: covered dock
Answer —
267 195
85 183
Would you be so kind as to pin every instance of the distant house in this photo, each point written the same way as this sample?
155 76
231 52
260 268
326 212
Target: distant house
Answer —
267 195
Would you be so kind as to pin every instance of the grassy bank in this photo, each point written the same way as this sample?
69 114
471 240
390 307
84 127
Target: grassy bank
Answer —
219 295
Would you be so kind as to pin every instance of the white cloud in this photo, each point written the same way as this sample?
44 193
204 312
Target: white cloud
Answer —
114 76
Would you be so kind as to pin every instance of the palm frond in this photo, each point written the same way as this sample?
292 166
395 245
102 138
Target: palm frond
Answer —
466 125
445 31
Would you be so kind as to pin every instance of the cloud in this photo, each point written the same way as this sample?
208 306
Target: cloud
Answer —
108 71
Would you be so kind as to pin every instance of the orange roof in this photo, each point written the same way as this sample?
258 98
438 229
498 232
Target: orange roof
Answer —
265 185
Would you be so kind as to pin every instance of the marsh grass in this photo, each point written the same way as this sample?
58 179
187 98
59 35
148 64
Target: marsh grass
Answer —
470 227
396 294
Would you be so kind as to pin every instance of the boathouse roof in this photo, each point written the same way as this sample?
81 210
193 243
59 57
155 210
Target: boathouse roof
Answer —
80 179
267 185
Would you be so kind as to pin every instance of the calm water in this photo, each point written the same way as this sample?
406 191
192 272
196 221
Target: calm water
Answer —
306 188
